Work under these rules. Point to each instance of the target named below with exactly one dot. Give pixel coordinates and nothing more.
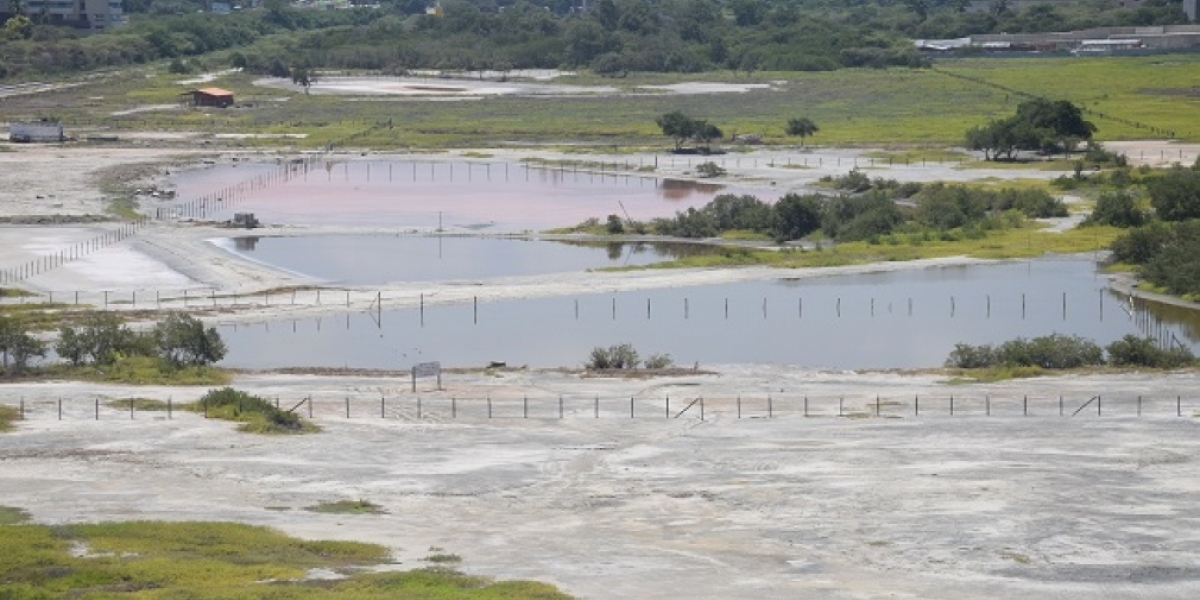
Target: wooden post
(560, 399)
(952, 405)
(382, 407)
(489, 404)
(596, 407)
(877, 405)
(917, 405)
(60, 408)
(453, 408)
(525, 406)
(770, 407)
(739, 406)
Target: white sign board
(427, 369)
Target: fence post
(806, 406)
(131, 409)
(701, 408)
(453, 407)
(489, 403)
(739, 405)
(841, 403)
(1179, 406)
(987, 403)
(1025, 406)
(631, 407)
(917, 405)
(596, 407)
(382, 407)
(668, 407)
(952, 405)
(877, 405)
(560, 406)
(22, 414)
(525, 406)
(1060, 405)
(418, 408)
(770, 407)
(60, 409)
(1139, 406)
(98, 409)
(1098, 401)
(310, 407)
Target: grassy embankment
(1012, 243)
(205, 560)
(852, 107)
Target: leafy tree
(796, 216)
(17, 346)
(802, 127)
(183, 340)
(1119, 209)
(18, 27)
(303, 76)
(1061, 118)
(1134, 351)
(705, 133)
(1175, 195)
(621, 356)
(101, 339)
(677, 126)
(615, 226)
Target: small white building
(35, 131)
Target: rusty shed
(209, 97)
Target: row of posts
(692, 407)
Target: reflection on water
(503, 196)
(1181, 321)
(380, 259)
(679, 189)
(899, 319)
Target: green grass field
(928, 107)
(199, 560)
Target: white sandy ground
(898, 506)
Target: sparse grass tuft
(442, 558)
(8, 416)
(139, 404)
(348, 507)
(10, 515)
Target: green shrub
(1054, 351)
(255, 414)
(658, 361)
(966, 356)
(1134, 351)
(1118, 209)
(621, 356)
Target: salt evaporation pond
(380, 259)
(453, 195)
(844, 322)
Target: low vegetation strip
(205, 560)
(255, 414)
(8, 415)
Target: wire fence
(446, 406)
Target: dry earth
(897, 506)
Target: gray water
(380, 259)
(885, 320)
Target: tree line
(1058, 351)
(102, 340)
(868, 210)
(612, 37)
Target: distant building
(1189, 7)
(36, 131)
(84, 14)
(209, 97)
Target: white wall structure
(36, 131)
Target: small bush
(255, 413)
(966, 356)
(622, 356)
(1134, 351)
(1055, 351)
(8, 416)
(659, 361)
(710, 169)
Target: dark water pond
(503, 196)
(380, 259)
(900, 319)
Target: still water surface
(858, 321)
(381, 259)
(477, 196)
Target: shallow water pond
(380, 259)
(445, 194)
(898, 319)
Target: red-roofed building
(210, 97)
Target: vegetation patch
(443, 558)
(255, 414)
(348, 507)
(211, 560)
(8, 416)
(10, 515)
(138, 404)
